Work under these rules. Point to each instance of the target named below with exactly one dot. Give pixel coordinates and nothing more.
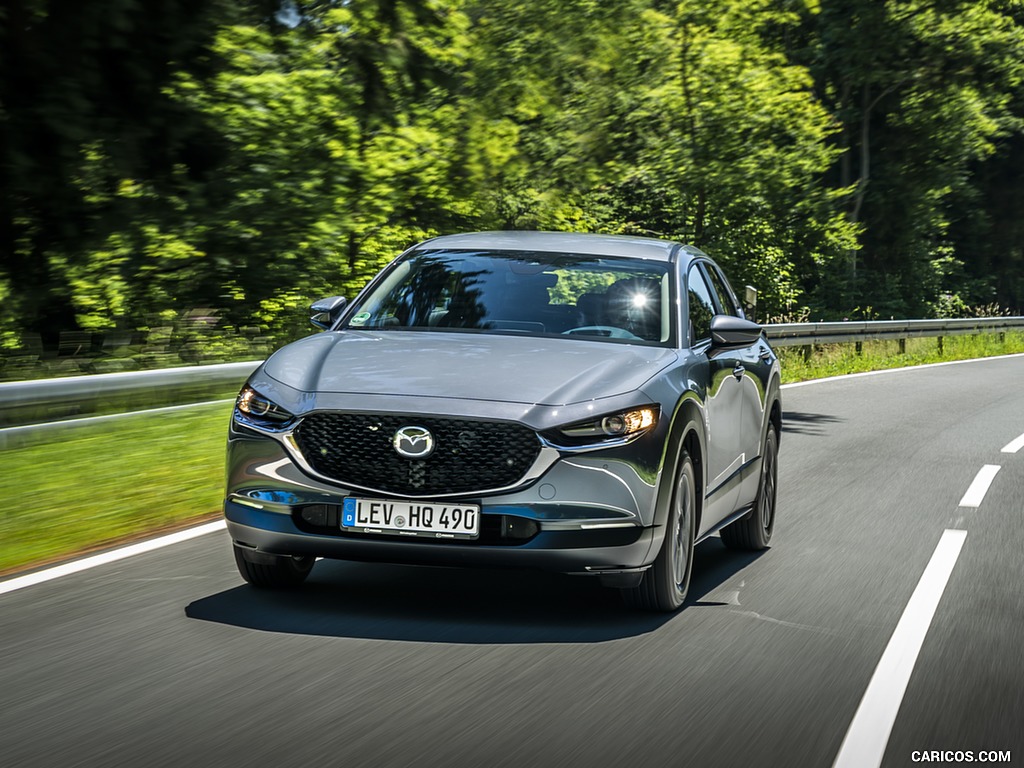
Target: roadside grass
(87, 487)
(68, 491)
(839, 359)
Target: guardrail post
(860, 347)
(807, 353)
(1002, 338)
(903, 346)
(940, 346)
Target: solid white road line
(865, 742)
(976, 493)
(20, 582)
(1014, 446)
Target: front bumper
(600, 551)
(588, 513)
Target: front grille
(357, 449)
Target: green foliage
(926, 93)
(83, 106)
(681, 124)
(253, 157)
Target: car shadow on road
(448, 605)
(807, 423)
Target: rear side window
(702, 308)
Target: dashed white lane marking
(1014, 446)
(976, 493)
(30, 579)
(865, 742)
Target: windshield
(542, 294)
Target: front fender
(688, 428)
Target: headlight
(622, 424)
(260, 411)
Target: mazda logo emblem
(413, 442)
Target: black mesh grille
(357, 449)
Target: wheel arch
(687, 431)
(773, 412)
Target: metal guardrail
(86, 391)
(802, 334)
(22, 394)
(26, 406)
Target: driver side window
(702, 308)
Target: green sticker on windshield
(361, 318)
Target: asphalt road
(166, 659)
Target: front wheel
(665, 584)
(754, 532)
(273, 571)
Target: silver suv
(579, 403)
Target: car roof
(562, 242)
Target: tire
(754, 532)
(666, 582)
(273, 571)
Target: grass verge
(88, 487)
(68, 491)
(839, 359)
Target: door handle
(738, 372)
(765, 354)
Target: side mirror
(750, 302)
(729, 331)
(324, 313)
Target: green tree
(79, 81)
(923, 91)
(249, 157)
(679, 122)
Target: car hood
(513, 369)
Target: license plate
(411, 518)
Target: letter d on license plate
(411, 518)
